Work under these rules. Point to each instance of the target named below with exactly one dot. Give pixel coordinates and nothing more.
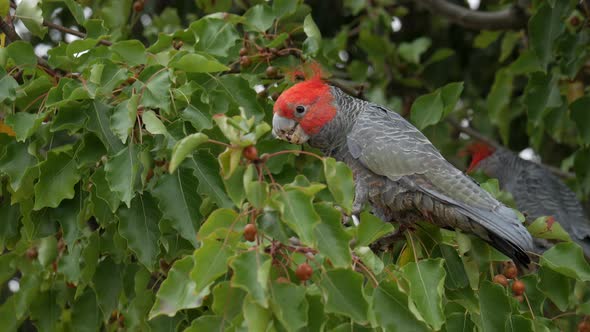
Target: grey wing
(390, 146)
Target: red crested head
(479, 151)
(309, 103)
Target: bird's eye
(300, 109)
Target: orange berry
(304, 272)
(138, 6)
(500, 279)
(250, 232)
(250, 153)
(518, 287)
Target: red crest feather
(479, 151)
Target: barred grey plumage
(404, 177)
(538, 192)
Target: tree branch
(512, 18)
(479, 136)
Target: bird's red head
(479, 151)
(309, 103)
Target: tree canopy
(141, 189)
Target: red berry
(243, 51)
(250, 232)
(575, 21)
(510, 271)
(271, 72)
(500, 279)
(32, 253)
(304, 272)
(138, 6)
(584, 326)
(518, 287)
(250, 153)
(245, 61)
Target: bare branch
(72, 32)
(479, 136)
(512, 18)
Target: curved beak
(288, 130)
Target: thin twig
(512, 18)
(72, 32)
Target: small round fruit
(250, 232)
(271, 72)
(584, 326)
(32, 253)
(510, 271)
(245, 61)
(275, 96)
(243, 51)
(500, 279)
(518, 287)
(304, 272)
(575, 21)
(250, 153)
(138, 6)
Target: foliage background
(124, 198)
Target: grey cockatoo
(395, 167)
(536, 191)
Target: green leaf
(259, 17)
(227, 301)
(545, 26)
(427, 110)
(138, 224)
(240, 92)
(343, 294)
(508, 43)
(131, 52)
(214, 36)
(8, 86)
(256, 317)
(251, 271)
(30, 13)
(122, 173)
(556, 287)
(580, 113)
(283, 8)
(518, 323)
(314, 37)
(24, 124)
(47, 250)
(220, 219)
(526, 62)
(123, 118)
(58, 176)
(152, 124)
(391, 309)
(98, 123)
(179, 202)
(455, 270)
(542, 92)
(212, 6)
(4, 7)
(14, 163)
(184, 148)
(178, 291)
(412, 51)
(108, 285)
(486, 38)
(196, 63)
(372, 261)
(459, 322)
(340, 182)
(568, 259)
(494, 306)
(450, 94)
(332, 239)
(85, 317)
(206, 169)
(205, 322)
(498, 100)
(297, 211)
(542, 228)
(426, 279)
(371, 229)
(76, 10)
(199, 119)
(210, 263)
(256, 191)
(289, 305)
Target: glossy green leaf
(259, 17)
(122, 172)
(568, 259)
(30, 13)
(123, 118)
(545, 26)
(340, 182)
(184, 148)
(58, 176)
(179, 202)
(412, 51)
(108, 285)
(494, 306)
(251, 272)
(196, 63)
(581, 116)
(391, 309)
(343, 294)
(24, 124)
(256, 317)
(15, 160)
(543, 228)
(289, 304)
(298, 213)
(131, 52)
(314, 36)
(152, 124)
(427, 110)
(138, 224)
(333, 241)
(371, 229)
(459, 322)
(214, 36)
(450, 94)
(210, 263)
(227, 301)
(456, 276)
(556, 286)
(426, 279)
(178, 291)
